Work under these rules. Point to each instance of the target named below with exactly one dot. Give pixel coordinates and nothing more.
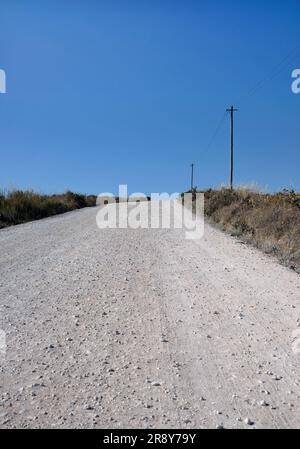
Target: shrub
(20, 206)
(269, 221)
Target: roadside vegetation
(269, 221)
(18, 206)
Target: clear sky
(107, 92)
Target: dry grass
(19, 206)
(270, 221)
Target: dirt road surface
(142, 328)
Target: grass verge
(18, 206)
(269, 221)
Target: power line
(214, 135)
(276, 71)
(216, 131)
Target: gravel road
(123, 328)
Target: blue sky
(107, 92)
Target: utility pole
(232, 110)
(192, 177)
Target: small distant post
(232, 110)
(192, 177)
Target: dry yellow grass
(19, 206)
(270, 221)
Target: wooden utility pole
(231, 110)
(192, 177)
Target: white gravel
(143, 328)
